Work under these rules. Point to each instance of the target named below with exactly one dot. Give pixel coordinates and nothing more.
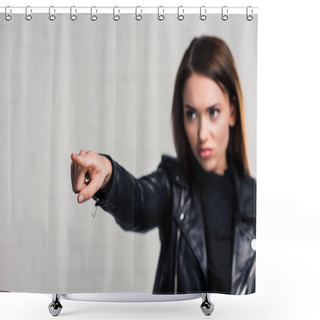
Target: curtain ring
(116, 17)
(28, 16)
(249, 17)
(203, 15)
(52, 17)
(73, 16)
(224, 13)
(160, 16)
(7, 16)
(93, 16)
(180, 15)
(138, 16)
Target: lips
(205, 153)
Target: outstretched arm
(136, 204)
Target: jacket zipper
(177, 249)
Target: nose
(203, 130)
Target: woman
(203, 202)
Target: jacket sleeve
(137, 204)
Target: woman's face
(207, 117)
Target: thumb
(87, 192)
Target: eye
(191, 114)
(213, 113)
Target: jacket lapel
(190, 221)
(244, 232)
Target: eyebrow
(194, 109)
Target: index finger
(80, 160)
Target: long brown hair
(211, 57)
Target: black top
(218, 215)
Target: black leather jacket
(165, 200)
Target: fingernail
(81, 198)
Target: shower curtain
(102, 85)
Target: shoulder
(240, 175)
(246, 193)
(246, 184)
(173, 169)
(168, 162)
(246, 181)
